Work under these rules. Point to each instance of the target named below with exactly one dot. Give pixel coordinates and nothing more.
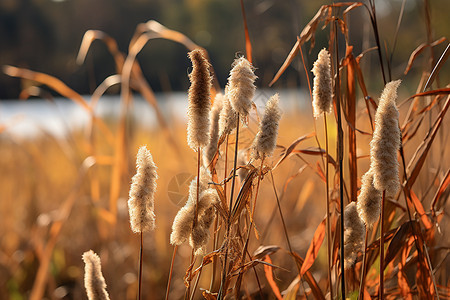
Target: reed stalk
(340, 152)
(169, 281)
(222, 293)
(328, 208)
(382, 247)
(140, 266)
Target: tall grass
(65, 196)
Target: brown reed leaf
(291, 292)
(419, 50)
(208, 295)
(248, 44)
(442, 187)
(262, 251)
(421, 153)
(269, 277)
(442, 91)
(320, 172)
(438, 66)
(61, 88)
(420, 210)
(322, 15)
(314, 247)
(309, 279)
(291, 147)
(89, 37)
(316, 151)
(399, 240)
(350, 117)
(157, 30)
(245, 194)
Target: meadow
(270, 236)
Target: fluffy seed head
(183, 222)
(199, 103)
(227, 118)
(353, 235)
(214, 115)
(93, 278)
(142, 192)
(182, 225)
(323, 87)
(386, 142)
(200, 233)
(369, 200)
(266, 138)
(241, 87)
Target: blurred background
(45, 35)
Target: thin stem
(328, 207)
(170, 272)
(373, 17)
(363, 268)
(282, 219)
(140, 266)
(285, 232)
(257, 187)
(340, 152)
(382, 247)
(196, 283)
(251, 223)
(215, 237)
(224, 271)
(188, 286)
(226, 169)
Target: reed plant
(258, 237)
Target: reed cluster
(251, 195)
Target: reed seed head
(142, 192)
(386, 142)
(323, 86)
(241, 87)
(266, 138)
(214, 115)
(200, 233)
(353, 235)
(183, 223)
(369, 200)
(93, 278)
(199, 103)
(227, 118)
